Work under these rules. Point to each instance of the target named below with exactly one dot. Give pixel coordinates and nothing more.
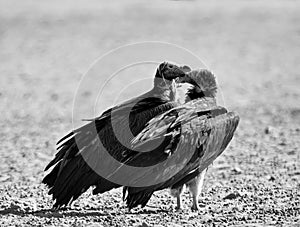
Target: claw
(195, 207)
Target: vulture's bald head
(169, 71)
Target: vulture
(80, 153)
(198, 132)
(205, 85)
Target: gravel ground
(253, 48)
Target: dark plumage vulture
(204, 86)
(199, 130)
(79, 152)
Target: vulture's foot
(195, 206)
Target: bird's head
(203, 81)
(168, 71)
(166, 76)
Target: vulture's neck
(163, 89)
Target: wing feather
(202, 141)
(159, 124)
(71, 175)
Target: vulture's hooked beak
(179, 77)
(184, 78)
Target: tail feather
(65, 188)
(104, 185)
(77, 186)
(70, 145)
(68, 182)
(65, 144)
(50, 179)
(136, 199)
(65, 137)
(63, 179)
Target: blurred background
(46, 46)
(251, 46)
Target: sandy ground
(253, 48)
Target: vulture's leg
(195, 186)
(178, 198)
(176, 192)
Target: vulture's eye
(170, 66)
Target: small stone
(233, 195)
(292, 152)
(267, 130)
(144, 224)
(282, 143)
(271, 178)
(236, 170)
(4, 178)
(54, 97)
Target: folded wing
(199, 136)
